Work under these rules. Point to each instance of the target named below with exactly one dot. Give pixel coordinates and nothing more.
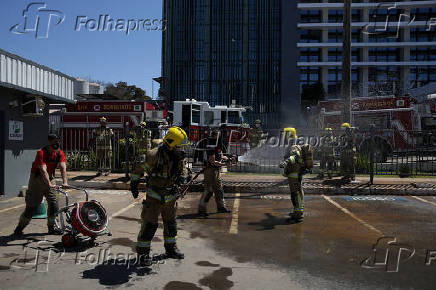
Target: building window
(384, 54)
(335, 35)
(422, 75)
(310, 16)
(420, 34)
(310, 36)
(335, 16)
(309, 54)
(335, 54)
(383, 80)
(423, 54)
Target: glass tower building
(224, 50)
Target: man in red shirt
(41, 183)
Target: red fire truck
(396, 121)
(197, 117)
(80, 118)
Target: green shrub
(362, 163)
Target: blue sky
(109, 56)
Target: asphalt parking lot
(345, 242)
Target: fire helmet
(346, 125)
(175, 137)
(290, 132)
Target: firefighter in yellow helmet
(166, 170)
(297, 161)
(327, 154)
(348, 153)
(103, 142)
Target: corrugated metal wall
(22, 73)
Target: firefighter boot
(297, 217)
(173, 252)
(53, 230)
(18, 230)
(144, 259)
(223, 210)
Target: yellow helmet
(291, 132)
(103, 120)
(328, 130)
(143, 124)
(176, 137)
(346, 125)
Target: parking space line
(11, 208)
(9, 199)
(123, 210)
(346, 211)
(235, 215)
(424, 200)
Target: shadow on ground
(117, 272)
(270, 222)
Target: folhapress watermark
(106, 23)
(42, 256)
(38, 20)
(389, 254)
(395, 18)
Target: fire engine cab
(78, 120)
(395, 118)
(196, 117)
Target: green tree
(312, 94)
(125, 92)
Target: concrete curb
(280, 189)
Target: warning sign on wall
(16, 130)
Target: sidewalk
(265, 183)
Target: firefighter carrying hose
(166, 170)
(298, 160)
(103, 136)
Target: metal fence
(393, 152)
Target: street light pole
(346, 61)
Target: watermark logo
(388, 254)
(38, 257)
(390, 26)
(37, 20)
(106, 23)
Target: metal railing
(393, 152)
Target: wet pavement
(345, 242)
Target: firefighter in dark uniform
(165, 169)
(327, 160)
(142, 141)
(348, 153)
(257, 136)
(41, 184)
(212, 176)
(103, 136)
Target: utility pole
(346, 62)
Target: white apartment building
(393, 45)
